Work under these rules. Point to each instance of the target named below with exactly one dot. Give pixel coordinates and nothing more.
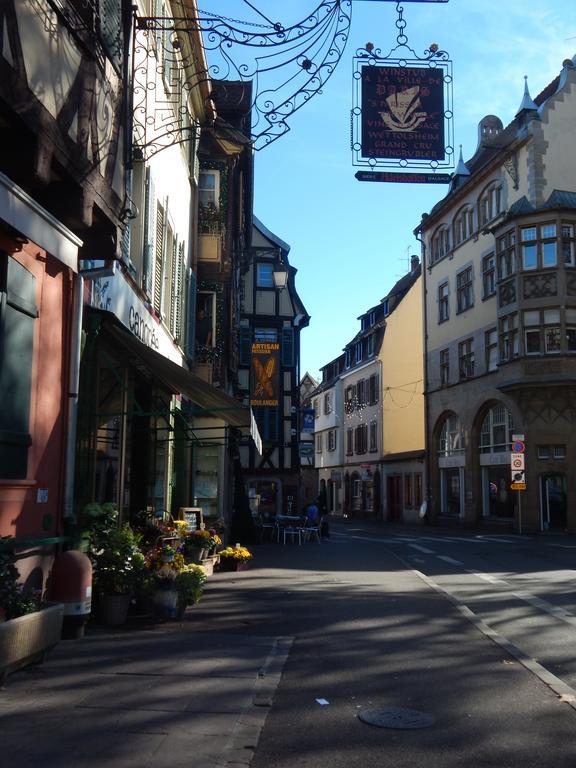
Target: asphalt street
(277, 665)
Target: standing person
(324, 524)
(312, 514)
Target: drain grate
(398, 718)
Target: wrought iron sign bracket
(286, 67)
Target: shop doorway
(394, 489)
(553, 502)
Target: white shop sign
(116, 296)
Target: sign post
(518, 472)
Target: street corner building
(499, 269)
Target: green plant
(237, 553)
(14, 601)
(118, 562)
(190, 584)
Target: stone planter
(27, 639)
(209, 563)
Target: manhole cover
(397, 717)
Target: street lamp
(280, 275)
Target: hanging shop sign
(307, 421)
(265, 375)
(403, 178)
(402, 111)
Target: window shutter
(244, 343)
(158, 258)
(111, 30)
(287, 347)
(178, 273)
(17, 314)
(149, 233)
(191, 314)
(125, 244)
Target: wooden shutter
(178, 291)
(111, 30)
(287, 347)
(149, 234)
(17, 314)
(191, 314)
(159, 258)
(245, 344)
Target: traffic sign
(518, 476)
(517, 461)
(518, 486)
(518, 446)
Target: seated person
(312, 514)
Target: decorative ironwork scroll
(285, 68)
(402, 113)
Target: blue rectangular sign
(307, 420)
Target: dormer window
(386, 305)
(372, 319)
(370, 345)
(348, 359)
(358, 352)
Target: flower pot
(27, 639)
(114, 609)
(196, 554)
(165, 602)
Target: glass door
(553, 502)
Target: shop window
(571, 339)
(17, 314)
(451, 492)
(497, 499)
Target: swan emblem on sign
(403, 113)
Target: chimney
(414, 262)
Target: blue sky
(350, 241)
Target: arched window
(440, 243)
(451, 441)
(496, 431)
(463, 225)
(490, 203)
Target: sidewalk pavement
(167, 695)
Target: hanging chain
(401, 39)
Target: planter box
(27, 639)
(229, 564)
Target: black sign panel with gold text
(265, 374)
(403, 113)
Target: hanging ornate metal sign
(402, 114)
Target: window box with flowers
(235, 558)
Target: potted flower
(118, 568)
(197, 544)
(190, 584)
(28, 627)
(164, 573)
(235, 558)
